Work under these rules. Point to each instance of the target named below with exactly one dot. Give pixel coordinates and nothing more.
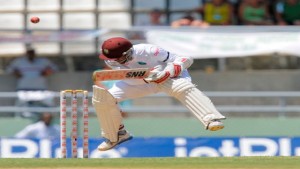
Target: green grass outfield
(158, 163)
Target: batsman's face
(126, 57)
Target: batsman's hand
(174, 69)
(157, 75)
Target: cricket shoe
(107, 144)
(215, 125)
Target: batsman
(168, 75)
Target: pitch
(158, 163)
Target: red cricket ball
(35, 19)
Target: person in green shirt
(254, 12)
(288, 12)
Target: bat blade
(104, 75)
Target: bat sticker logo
(135, 74)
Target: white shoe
(215, 125)
(107, 145)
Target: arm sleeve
(51, 65)
(165, 56)
(159, 54)
(25, 133)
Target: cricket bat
(120, 74)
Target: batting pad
(191, 97)
(108, 113)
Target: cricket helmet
(114, 48)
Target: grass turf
(157, 163)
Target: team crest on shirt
(142, 63)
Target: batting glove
(157, 75)
(174, 69)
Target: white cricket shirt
(145, 56)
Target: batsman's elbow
(185, 61)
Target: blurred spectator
(217, 12)
(31, 73)
(288, 12)
(155, 17)
(188, 20)
(254, 12)
(43, 129)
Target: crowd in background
(243, 12)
